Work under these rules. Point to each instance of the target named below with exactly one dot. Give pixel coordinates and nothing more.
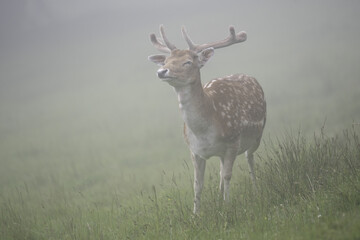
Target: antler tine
(191, 44)
(231, 39)
(166, 41)
(158, 45)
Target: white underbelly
(209, 145)
(205, 146)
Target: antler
(231, 39)
(167, 47)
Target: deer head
(182, 67)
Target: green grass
(308, 189)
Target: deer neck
(194, 107)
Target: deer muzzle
(163, 73)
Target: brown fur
(239, 104)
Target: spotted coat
(239, 104)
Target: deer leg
(226, 171)
(221, 187)
(199, 172)
(250, 158)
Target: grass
(308, 189)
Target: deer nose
(162, 72)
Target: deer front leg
(226, 172)
(199, 172)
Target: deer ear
(158, 59)
(205, 55)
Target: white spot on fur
(208, 85)
(214, 106)
(244, 123)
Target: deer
(223, 118)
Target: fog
(91, 141)
(74, 75)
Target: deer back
(239, 105)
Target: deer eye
(187, 63)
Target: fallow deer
(223, 118)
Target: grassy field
(91, 141)
(308, 189)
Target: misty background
(76, 85)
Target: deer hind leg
(221, 187)
(250, 158)
(226, 166)
(199, 172)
